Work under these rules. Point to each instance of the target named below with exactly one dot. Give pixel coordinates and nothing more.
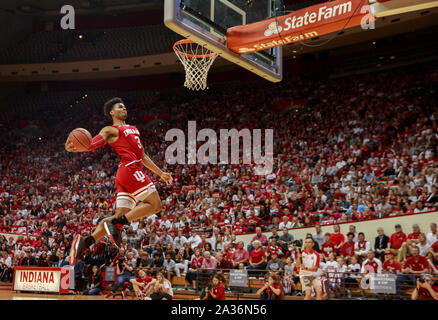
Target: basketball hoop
(197, 60)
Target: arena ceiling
(52, 7)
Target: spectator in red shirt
(396, 240)
(272, 289)
(257, 257)
(337, 238)
(240, 255)
(327, 247)
(411, 241)
(413, 266)
(433, 253)
(347, 249)
(217, 290)
(426, 290)
(391, 265)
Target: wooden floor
(11, 295)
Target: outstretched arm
(107, 134)
(148, 163)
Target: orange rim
(188, 41)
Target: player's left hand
(167, 177)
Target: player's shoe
(77, 248)
(113, 232)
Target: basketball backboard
(206, 22)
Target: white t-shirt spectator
(178, 242)
(416, 210)
(318, 238)
(194, 241)
(282, 225)
(423, 249)
(431, 238)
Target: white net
(197, 61)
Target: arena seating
(351, 152)
(66, 45)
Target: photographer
(125, 272)
(427, 289)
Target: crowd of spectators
(353, 152)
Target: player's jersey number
(139, 175)
(138, 141)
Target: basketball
(80, 138)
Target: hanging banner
(307, 23)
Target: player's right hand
(70, 147)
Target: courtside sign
(303, 24)
(34, 279)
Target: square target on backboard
(206, 22)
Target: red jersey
(397, 239)
(391, 267)
(418, 265)
(372, 266)
(327, 248)
(128, 146)
(347, 249)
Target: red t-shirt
(270, 293)
(397, 239)
(414, 235)
(424, 294)
(434, 246)
(219, 292)
(337, 238)
(418, 265)
(327, 248)
(391, 267)
(257, 256)
(145, 280)
(347, 249)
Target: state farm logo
(273, 28)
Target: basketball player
(131, 180)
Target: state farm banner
(303, 24)
(39, 279)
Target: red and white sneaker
(78, 246)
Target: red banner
(307, 23)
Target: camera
(122, 259)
